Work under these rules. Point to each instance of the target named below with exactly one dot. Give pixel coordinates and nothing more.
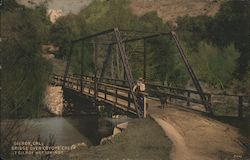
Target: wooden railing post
(240, 107)
(129, 99)
(56, 81)
(145, 107)
(95, 88)
(89, 87)
(188, 98)
(71, 82)
(105, 94)
(170, 98)
(77, 84)
(209, 100)
(116, 96)
(81, 84)
(66, 82)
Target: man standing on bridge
(141, 99)
(140, 86)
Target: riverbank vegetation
(221, 43)
(24, 72)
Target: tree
(229, 25)
(24, 71)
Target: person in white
(140, 86)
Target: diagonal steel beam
(93, 35)
(124, 59)
(192, 74)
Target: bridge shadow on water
(87, 119)
(92, 127)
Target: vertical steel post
(144, 60)
(82, 52)
(95, 66)
(94, 57)
(1, 96)
(105, 62)
(124, 73)
(68, 63)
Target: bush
(24, 72)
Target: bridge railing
(122, 96)
(164, 93)
(233, 105)
(56, 80)
(222, 104)
(177, 95)
(230, 105)
(119, 96)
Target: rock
(54, 99)
(78, 145)
(106, 140)
(120, 128)
(54, 14)
(117, 130)
(122, 125)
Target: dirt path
(197, 137)
(180, 151)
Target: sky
(66, 6)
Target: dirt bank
(197, 137)
(142, 140)
(171, 9)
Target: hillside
(168, 10)
(171, 9)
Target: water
(67, 130)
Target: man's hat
(141, 79)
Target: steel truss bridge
(119, 93)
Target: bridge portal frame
(120, 37)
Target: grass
(142, 140)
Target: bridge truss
(120, 38)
